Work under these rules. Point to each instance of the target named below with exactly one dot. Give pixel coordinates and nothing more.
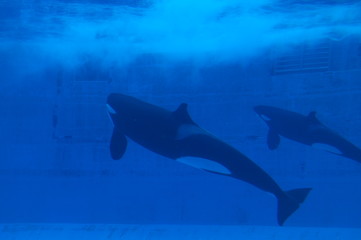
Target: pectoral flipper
(118, 144)
(273, 139)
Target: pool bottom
(148, 232)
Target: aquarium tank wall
(60, 59)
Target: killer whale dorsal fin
(312, 116)
(118, 144)
(181, 114)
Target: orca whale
(176, 136)
(304, 129)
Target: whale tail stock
(289, 202)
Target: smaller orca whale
(176, 136)
(304, 129)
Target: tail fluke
(290, 202)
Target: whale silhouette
(304, 129)
(175, 135)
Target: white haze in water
(204, 31)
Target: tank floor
(174, 232)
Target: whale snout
(263, 112)
(112, 98)
(114, 102)
(111, 110)
(260, 109)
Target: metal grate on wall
(80, 114)
(307, 58)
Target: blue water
(60, 59)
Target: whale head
(265, 112)
(117, 106)
(114, 102)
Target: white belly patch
(204, 164)
(327, 148)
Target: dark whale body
(175, 135)
(304, 129)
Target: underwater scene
(180, 113)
